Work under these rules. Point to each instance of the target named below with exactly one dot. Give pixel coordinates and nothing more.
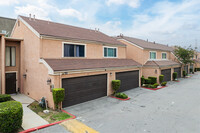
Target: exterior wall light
(24, 75)
(111, 74)
(155, 71)
(48, 81)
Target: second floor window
(73, 50)
(10, 56)
(152, 55)
(110, 52)
(164, 55)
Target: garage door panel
(129, 80)
(167, 74)
(82, 89)
(178, 70)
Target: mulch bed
(154, 88)
(121, 98)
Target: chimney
(29, 16)
(34, 17)
(154, 42)
(147, 40)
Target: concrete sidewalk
(30, 118)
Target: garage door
(82, 89)
(192, 67)
(167, 74)
(186, 68)
(129, 80)
(178, 70)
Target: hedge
(175, 75)
(191, 70)
(142, 80)
(11, 113)
(121, 95)
(58, 95)
(197, 69)
(161, 78)
(147, 81)
(163, 83)
(5, 97)
(153, 80)
(115, 85)
(184, 73)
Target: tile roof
(7, 24)
(145, 44)
(49, 28)
(78, 64)
(161, 63)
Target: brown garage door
(129, 80)
(82, 89)
(178, 70)
(167, 74)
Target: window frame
(150, 55)
(72, 43)
(11, 56)
(162, 55)
(107, 53)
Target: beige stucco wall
(54, 49)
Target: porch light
(110, 74)
(48, 81)
(155, 71)
(24, 75)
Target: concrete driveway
(174, 109)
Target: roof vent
(34, 17)
(121, 35)
(29, 16)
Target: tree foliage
(185, 55)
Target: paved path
(30, 118)
(174, 109)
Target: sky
(170, 22)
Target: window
(73, 50)
(152, 55)
(164, 55)
(10, 56)
(110, 52)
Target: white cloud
(8, 2)
(131, 3)
(71, 13)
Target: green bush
(184, 73)
(163, 83)
(58, 95)
(147, 81)
(153, 80)
(121, 95)
(156, 85)
(151, 86)
(115, 85)
(191, 70)
(197, 69)
(142, 80)
(161, 78)
(146, 85)
(11, 113)
(175, 75)
(5, 97)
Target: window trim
(150, 55)
(162, 55)
(11, 56)
(72, 43)
(110, 47)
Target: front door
(10, 83)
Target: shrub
(147, 81)
(5, 97)
(156, 85)
(184, 73)
(115, 85)
(11, 113)
(121, 95)
(146, 85)
(163, 83)
(161, 78)
(142, 80)
(191, 70)
(151, 86)
(197, 69)
(153, 80)
(175, 75)
(58, 95)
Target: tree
(185, 55)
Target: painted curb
(47, 125)
(154, 88)
(121, 98)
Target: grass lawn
(52, 116)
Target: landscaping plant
(163, 83)
(121, 95)
(142, 80)
(115, 85)
(161, 78)
(184, 73)
(156, 85)
(175, 75)
(153, 80)
(11, 113)
(147, 81)
(5, 97)
(58, 96)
